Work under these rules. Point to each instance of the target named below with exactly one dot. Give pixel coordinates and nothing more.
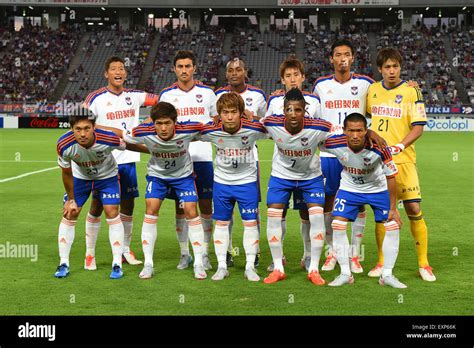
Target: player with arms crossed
(194, 102)
(255, 108)
(398, 115)
(368, 177)
(292, 76)
(118, 107)
(96, 169)
(170, 166)
(341, 94)
(235, 179)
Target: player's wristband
(396, 149)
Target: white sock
(231, 226)
(357, 233)
(196, 237)
(67, 229)
(390, 246)
(182, 234)
(149, 234)
(316, 233)
(92, 231)
(341, 245)
(274, 236)
(251, 241)
(283, 228)
(304, 230)
(207, 227)
(127, 222)
(116, 239)
(327, 225)
(221, 241)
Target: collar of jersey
(116, 94)
(388, 89)
(186, 90)
(334, 78)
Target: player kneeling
(363, 182)
(169, 167)
(96, 168)
(235, 179)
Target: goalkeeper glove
(396, 149)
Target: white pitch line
(1, 161)
(27, 174)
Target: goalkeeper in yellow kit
(398, 115)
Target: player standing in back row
(398, 115)
(255, 107)
(194, 102)
(117, 107)
(341, 94)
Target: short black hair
(182, 54)
(111, 60)
(342, 42)
(355, 117)
(294, 94)
(74, 119)
(163, 110)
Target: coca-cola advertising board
(43, 122)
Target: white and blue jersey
(364, 178)
(235, 174)
(295, 163)
(95, 169)
(170, 165)
(337, 101)
(254, 98)
(197, 104)
(235, 163)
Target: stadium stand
(206, 44)
(425, 61)
(263, 53)
(34, 60)
(318, 48)
(133, 46)
(462, 43)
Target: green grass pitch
(30, 211)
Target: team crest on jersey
(354, 90)
(366, 161)
(245, 140)
(128, 100)
(199, 98)
(77, 156)
(100, 154)
(248, 101)
(398, 98)
(180, 144)
(304, 141)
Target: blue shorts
(128, 180)
(279, 190)
(184, 188)
(332, 169)
(347, 204)
(106, 190)
(204, 177)
(298, 201)
(225, 196)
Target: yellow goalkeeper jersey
(394, 112)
